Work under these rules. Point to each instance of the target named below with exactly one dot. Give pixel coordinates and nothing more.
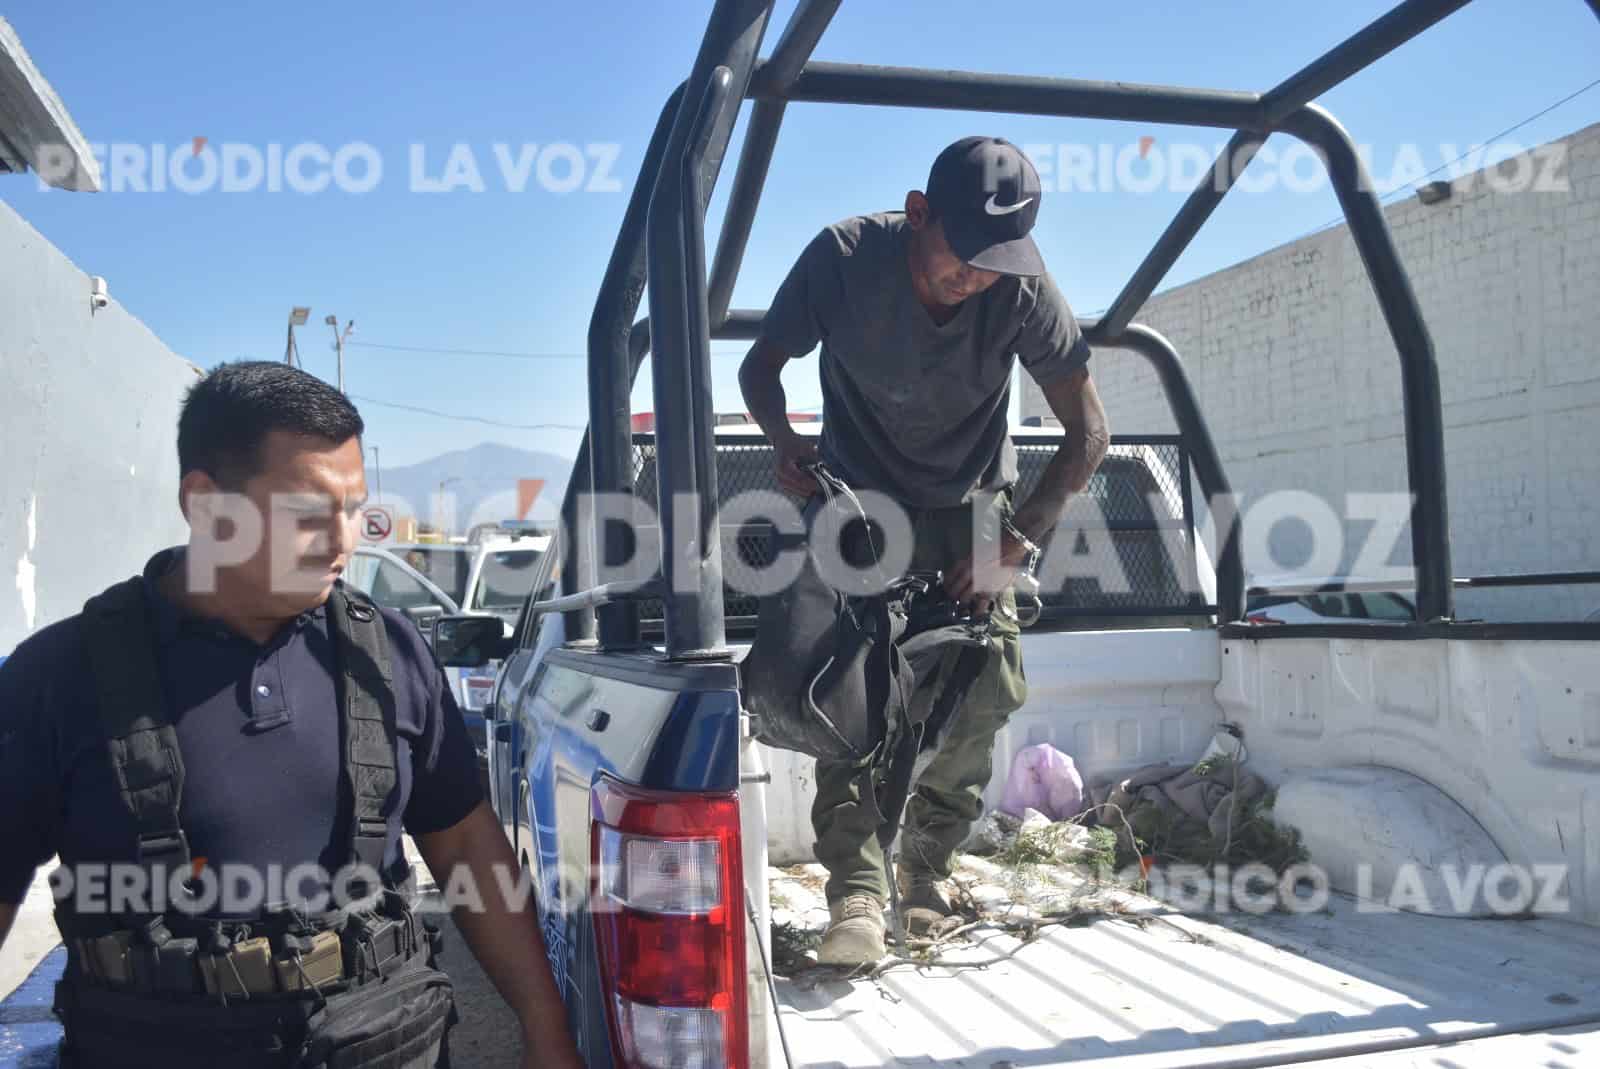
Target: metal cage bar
(676, 279)
(1203, 455)
(687, 312)
(799, 39)
(1357, 52)
(1227, 168)
(612, 367)
(1419, 372)
(755, 160)
(1160, 568)
(1423, 414)
(910, 87)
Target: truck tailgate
(1179, 990)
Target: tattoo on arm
(1075, 402)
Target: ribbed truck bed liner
(1349, 983)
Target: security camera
(97, 293)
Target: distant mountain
(480, 485)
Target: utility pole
(297, 318)
(338, 343)
(439, 512)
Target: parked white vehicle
(494, 575)
(391, 581)
(429, 580)
(1347, 599)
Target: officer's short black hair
(229, 413)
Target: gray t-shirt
(912, 408)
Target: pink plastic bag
(1043, 778)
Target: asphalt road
(488, 1036)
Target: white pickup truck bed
(1278, 989)
(1506, 730)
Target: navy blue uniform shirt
(259, 730)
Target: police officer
(236, 715)
(921, 315)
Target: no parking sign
(377, 524)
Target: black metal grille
(1137, 504)
(743, 464)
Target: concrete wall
(1300, 382)
(88, 439)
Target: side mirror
(424, 616)
(470, 641)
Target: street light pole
(377, 467)
(438, 503)
(338, 343)
(297, 318)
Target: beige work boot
(924, 910)
(855, 934)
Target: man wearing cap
(920, 315)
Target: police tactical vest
(354, 986)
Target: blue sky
(215, 274)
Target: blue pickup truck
(655, 826)
(622, 766)
(629, 786)
(607, 762)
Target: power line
(1509, 130)
(499, 423)
(494, 352)
(468, 352)
(1394, 194)
(464, 418)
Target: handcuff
(1025, 584)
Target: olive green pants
(948, 796)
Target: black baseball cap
(986, 193)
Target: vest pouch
(244, 970)
(426, 934)
(395, 1023)
(83, 952)
(108, 1029)
(374, 944)
(110, 956)
(320, 961)
(175, 967)
(163, 965)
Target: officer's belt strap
(366, 692)
(145, 760)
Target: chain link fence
(1125, 547)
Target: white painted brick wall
(1300, 382)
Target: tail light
(668, 907)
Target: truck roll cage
(661, 245)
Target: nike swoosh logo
(994, 209)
